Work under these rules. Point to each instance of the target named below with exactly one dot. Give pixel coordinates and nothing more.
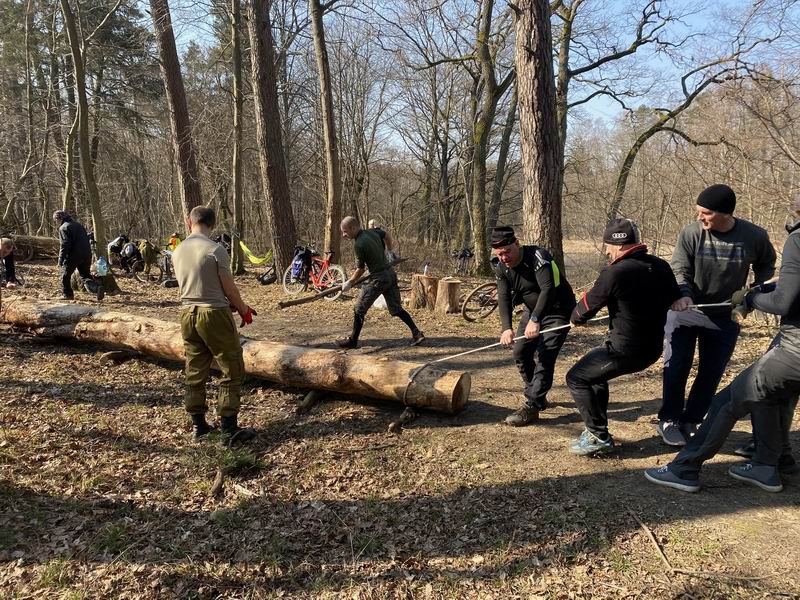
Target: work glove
(347, 286)
(247, 317)
(739, 297)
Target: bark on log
(447, 296)
(32, 246)
(433, 388)
(423, 291)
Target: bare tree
(270, 147)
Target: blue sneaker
(763, 476)
(589, 444)
(663, 476)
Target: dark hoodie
(75, 247)
(638, 289)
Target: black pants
(536, 358)
(69, 268)
(588, 382)
(715, 349)
(766, 388)
(383, 282)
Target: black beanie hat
(503, 236)
(620, 232)
(719, 198)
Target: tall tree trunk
(541, 201)
(96, 100)
(333, 203)
(502, 160)
(237, 258)
(76, 45)
(268, 133)
(188, 173)
(73, 185)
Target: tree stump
(447, 296)
(423, 291)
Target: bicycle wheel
(333, 277)
(154, 275)
(480, 303)
(25, 254)
(292, 285)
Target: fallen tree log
(432, 387)
(33, 246)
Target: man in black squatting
(638, 289)
(528, 275)
(768, 389)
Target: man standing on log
(75, 253)
(768, 390)
(7, 254)
(208, 292)
(528, 275)
(638, 289)
(711, 261)
(371, 246)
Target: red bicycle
(308, 269)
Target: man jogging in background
(769, 389)
(75, 254)
(371, 246)
(711, 261)
(638, 289)
(7, 255)
(208, 293)
(528, 275)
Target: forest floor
(104, 494)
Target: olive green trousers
(210, 335)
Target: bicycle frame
(319, 267)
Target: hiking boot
(417, 338)
(347, 343)
(65, 297)
(589, 444)
(688, 430)
(671, 433)
(200, 427)
(787, 465)
(232, 434)
(663, 476)
(746, 450)
(763, 476)
(523, 416)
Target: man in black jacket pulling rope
(528, 275)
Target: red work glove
(247, 317)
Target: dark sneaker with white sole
(523, 416)
(763, 476)
(746, 450)
(671, 433)
(688, 430)
(347, 343)
(589, 444)
(417, 338)
(663, 476)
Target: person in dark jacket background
(7, 254)
(768, 389)
(528, 275)
(638, 289)
(712, 259)
(75, 253)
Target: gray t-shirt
(198, 262)
(710, 265)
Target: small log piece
(423, 291)
(447, 296)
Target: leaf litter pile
(104, 494)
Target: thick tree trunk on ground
(268, 133)
(423, 291)
(541, 198)
(41, 246)
(432, 387)
(188, 173)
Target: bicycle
(463, 258)
(316, 272)
(480, 302)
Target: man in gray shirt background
(711, 261)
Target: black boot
(199, 426)
(233, 434)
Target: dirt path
(103, 493)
